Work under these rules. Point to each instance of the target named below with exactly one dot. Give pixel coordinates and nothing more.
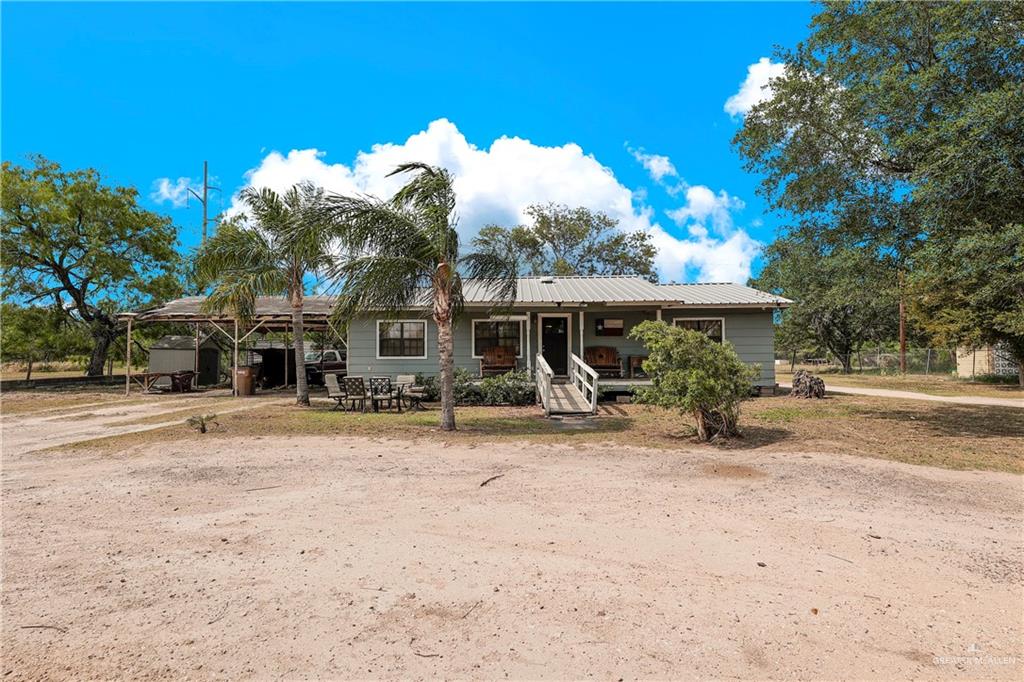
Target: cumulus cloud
(496, 184)
(703, 205)
(659, 167)
(173, 191)
(755, 88)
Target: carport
(271, 314)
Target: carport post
(286, 360)
(128, 361)
(234, 364)
(195, 377)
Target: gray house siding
(750, 331)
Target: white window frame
(516, 318)
(401, 357)
(676, 320)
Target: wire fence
(878, 360)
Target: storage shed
(178, 353)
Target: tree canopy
(574, 241)
(86, 246)
(32, 334)
(897, 128)
(844, 297)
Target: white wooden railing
(584, 378)
(544, 376)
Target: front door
(554, 343)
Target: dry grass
(37, 400)
(934, 384)
(934, 434)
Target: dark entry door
(554, 343)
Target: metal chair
(335, 391)
(411, 392)
(355, 392)
(381, 392)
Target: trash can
(245, 380)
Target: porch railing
(584, 378)
(544, 376)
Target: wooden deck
(567, 399)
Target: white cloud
(659, 167)
(496, 184)
(702, 205)
(755, 87)
(174, 191)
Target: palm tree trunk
(301, 387)
(446, 361)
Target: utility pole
(205, 197)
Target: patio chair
(497, 360)
(335, 391)
(355, 392)
(411, 393)
(382, 392)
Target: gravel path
(61, 426)
(912, 395)
(352, 558)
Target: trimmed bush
(512, 388)
(695, 375)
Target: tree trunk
(846, 360)
(903, 336)
(28, 373)
(102, 338)
(702, 427)
(301, 387)
(446, 362)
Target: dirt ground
(355, 557)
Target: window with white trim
(401, 339)
(714, 327)
(490, 333)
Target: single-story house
(556, 316)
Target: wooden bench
(604, 360)
(497, 360)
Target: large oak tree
(897, 128)
(87, 247)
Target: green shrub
(695, 375)
(513, 388)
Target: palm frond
(386, 284)
(497, 271)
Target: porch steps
(567, 399)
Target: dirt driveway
(355, 558)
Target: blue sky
(618, 107)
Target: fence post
(927, 362)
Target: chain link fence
(880, 360)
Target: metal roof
(721, 293)
(530, 291)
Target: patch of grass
(917, 432)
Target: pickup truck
(320, 362)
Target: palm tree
(269, 251)
(403, 253)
